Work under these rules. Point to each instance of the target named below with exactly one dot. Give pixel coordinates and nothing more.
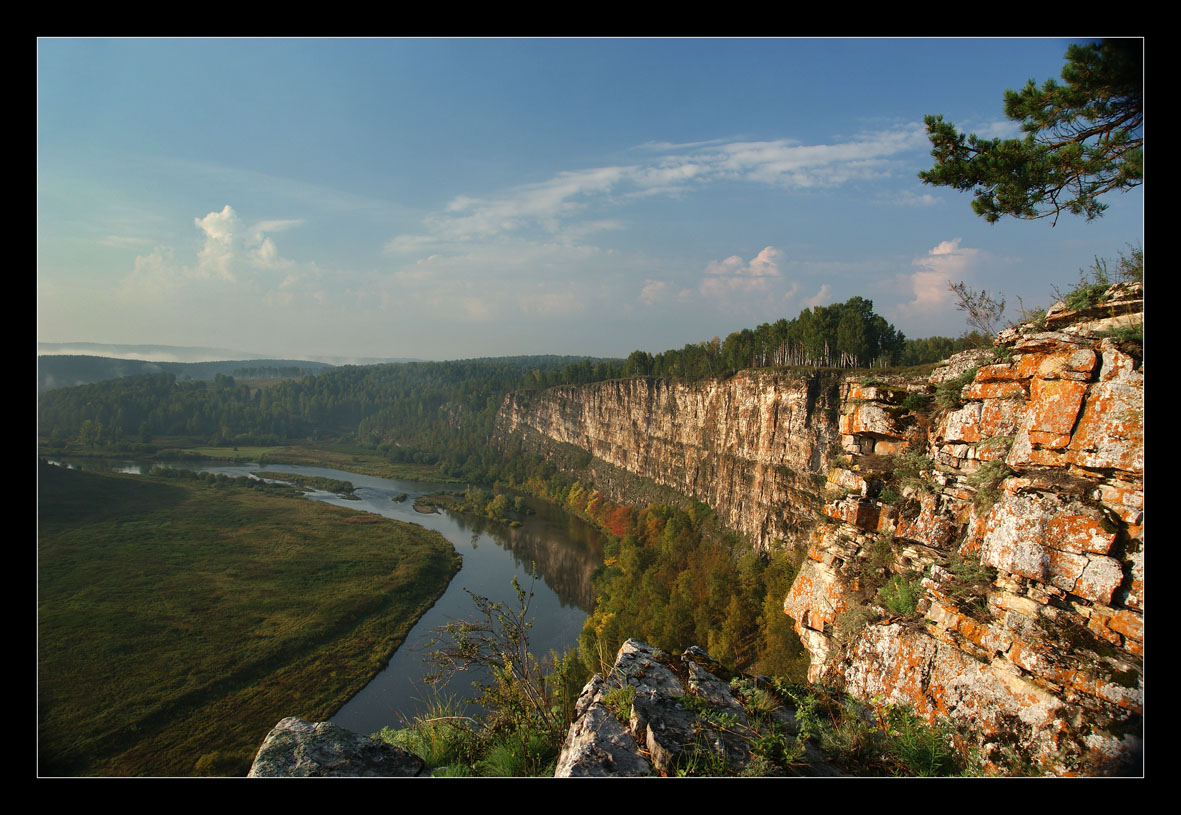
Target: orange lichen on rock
(1062, 527)
(1054, 407)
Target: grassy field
(179, 620)
(241, 454)
(336, 455)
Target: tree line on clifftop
(841, 335)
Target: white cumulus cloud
(226, 251)
(735, 273)
(944, 263)
(217, 255)
(729, 281)
(820, 298)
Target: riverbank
(179, 618)
(182, 452)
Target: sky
(459, 198)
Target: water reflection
(531, 545)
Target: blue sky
(453, 198)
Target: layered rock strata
(751, 447)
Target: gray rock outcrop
(680, 719)
(298, 749)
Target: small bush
(521, 754)
(1126, 333)
(879, 556)
(1002, 354)
(1084, 296)
(1035, 317)
(619, 701)
(442, 737)
(901, 595)
(702, 759)
(907, 470)
(852, 623)
(969, 587)
(987, 481)
(948, 394)
(1130, 267)
(983, 310)
(758, 701)
(917, 402)
(877, 740)
(1094, 282)
(996, 443)
(918, 748)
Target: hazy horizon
(464, 198)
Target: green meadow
(333, 454)
(179, 619)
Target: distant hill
(143, 353)
(66, 370)
(185, 353)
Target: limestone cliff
(753, 447)
(974, 540)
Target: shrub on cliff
(901, 595)
(987, 481)
(876, 739)
(949, 394)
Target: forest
(441, 412)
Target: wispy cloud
(124, 241)
(666, 146)
(909, 198)
(655, 291)
(544, 204)
(788, 163)
(675, 169)
(261, 248)
(237, 181)
(998, 129)
(154, 275)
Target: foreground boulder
(656, 715)
(298, 749)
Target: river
(564, 550)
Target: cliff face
(752, 447)
(980, 561)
